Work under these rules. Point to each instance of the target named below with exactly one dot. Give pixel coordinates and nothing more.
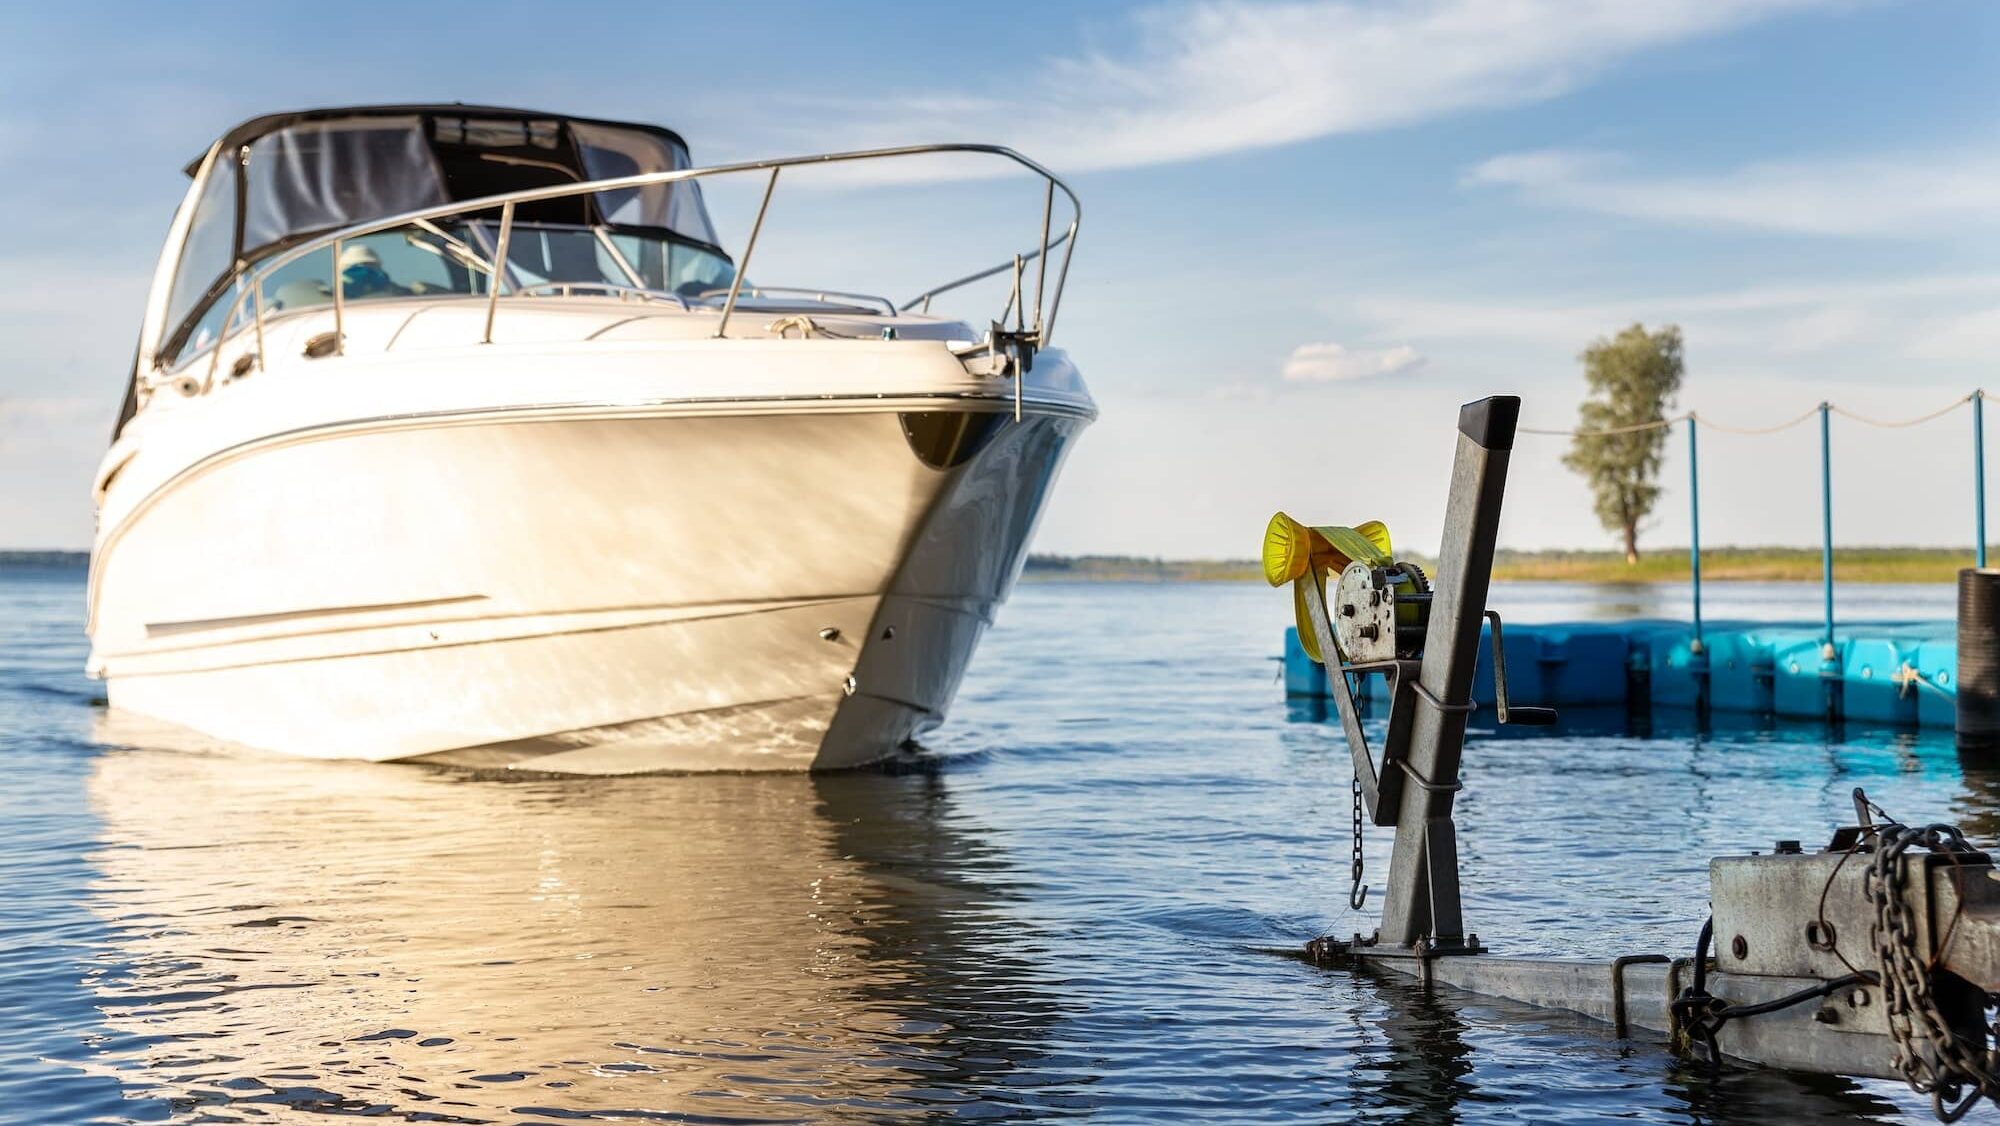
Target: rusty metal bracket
(1620, 1027)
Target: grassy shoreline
(1662, 565)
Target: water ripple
(1067, 907)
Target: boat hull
(599, 591)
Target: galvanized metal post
(1826, 522)
(1694, 526)
(1979, 477)
(1422, 898)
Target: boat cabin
(276, 181)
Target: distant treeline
(1756, 564)
(44, 558)
(1138, 569)
(1761, 564)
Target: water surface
(1065, 914)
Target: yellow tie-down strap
(1293, 550)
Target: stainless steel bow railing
(252, 284)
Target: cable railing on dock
(1824, 411)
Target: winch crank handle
(1524, 716)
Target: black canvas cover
(283, 178)
(320, 175)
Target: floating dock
(1882, 672)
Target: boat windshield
(276, 182)
(445, 259)
(543, 254)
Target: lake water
(1064, 915)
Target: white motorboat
(455, 434)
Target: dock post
(1977, 709)
(1827, 653)
(1694, 527)
(1422, 900)
(1979, 478)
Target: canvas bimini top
(279, 179)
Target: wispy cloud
(1922, 329)
(1201, 79)
(54, 423)
(49, 448)
(1329, 363)
(1925, 316)
(1890, 194)
(1966, 336)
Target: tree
(1633, 379)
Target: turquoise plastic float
(1886, 672)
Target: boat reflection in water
(362, 938)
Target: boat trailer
(1877, 955)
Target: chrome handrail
(823, 296)
(924, 298)
(749, 248)
(252, 285)
(1042, 267)
(609, 289)
(496, 278)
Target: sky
(1311, 229)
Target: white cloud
(1876, 195)
(1966, 336)
(1327, 363)
(1825, 326)
(49, 448)
(1240, 391)
(1928, 316)
(39, 411)
(55, 423)
(1224, 75)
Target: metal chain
(1929, 1053)
(1357, 893)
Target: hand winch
(1379, 605)
(1380, 613)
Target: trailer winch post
(1422, 899)
(1877, 955)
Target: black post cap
(1490, 421)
